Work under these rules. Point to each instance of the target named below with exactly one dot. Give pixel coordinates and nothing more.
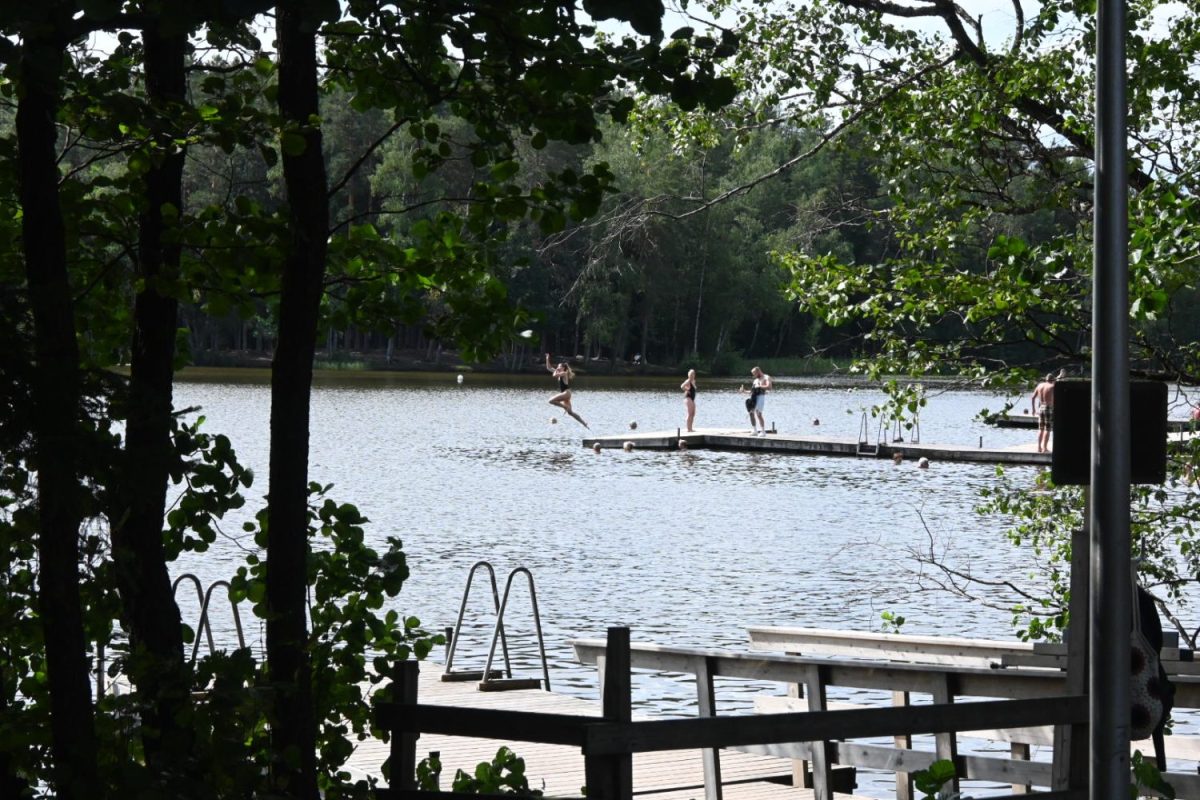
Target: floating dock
(743, 440)
(1030, 421)
(558, 769)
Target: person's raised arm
(548, 366)
(766, 382)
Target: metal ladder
(494, 679)
(205, 599)
(203, 626)
(865, 448)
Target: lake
(684, 547)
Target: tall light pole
(1110, 591)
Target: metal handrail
(864, 438)
(462, 610)
(204, 626)
(499, 630)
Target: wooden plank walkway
(1030, 421)
(558, 770)
(742, 440)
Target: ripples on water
(685, 548)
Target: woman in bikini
(689, 397)
(565, 375)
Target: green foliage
(932, 781)
(892, 622)
(354, 638)
(1147, 778)
(504, 774)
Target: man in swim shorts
(758, 393)
(1043, 393)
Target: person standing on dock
(565, 375)
(1043, 393)
(689, 397)
(758, 393)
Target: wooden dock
(1031, 421)
(558, 770)
(792, 444)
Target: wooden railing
(609, 742)
(960, 670)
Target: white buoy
(460, 378)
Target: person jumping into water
(565, 375)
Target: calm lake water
(685, 548)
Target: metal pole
(1109, 592)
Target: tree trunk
(293, 740)
(148, 605)
(56, 423)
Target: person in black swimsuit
(689, 397)
(565, 375)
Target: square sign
(1070, 463)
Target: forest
(905, 187)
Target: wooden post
(611, 777)
(706, 699)
(946, 744)
(403, 759)
(1020, 752)
(799, 765)
(814, 687)
(904, 784)
(1071, 742)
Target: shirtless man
(1044, 393)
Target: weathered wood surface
(792, 444)
(559, 769)
(895, 647)
(1031, 421)
(944, 682)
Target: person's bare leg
(761, 423)
(691, 414)
(566, 405)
